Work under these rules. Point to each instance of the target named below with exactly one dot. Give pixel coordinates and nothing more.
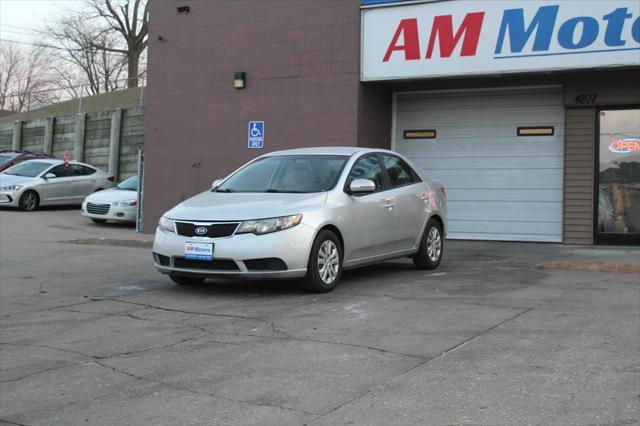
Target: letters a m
(442, 30)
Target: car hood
(7, 180)
(220, 206)
(111, 195)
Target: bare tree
(89, 48)
(24, 78)
(129, 19)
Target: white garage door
(500, 186)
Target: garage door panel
(536, 238)
(507, 195)
(470, 229)
(479, 147)
(428, 163)
(501, 211)
(448, 119)
(500, 186)
(497, 179)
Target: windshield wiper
(223, 190)
(277, 191)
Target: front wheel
(29, 201)
(431, 249)
(325, 264)
(180, 280)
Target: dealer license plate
(198, 251)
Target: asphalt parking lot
(92, 334)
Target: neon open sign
(624, 146)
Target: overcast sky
(19, 17)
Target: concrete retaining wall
(107, 140)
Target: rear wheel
(431, 248)
(99, 220)
(325, 264)
(181, 280)
(29, 201)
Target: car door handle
(388, 203)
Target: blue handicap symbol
(256, 134)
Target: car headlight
(165, 224)
(128, 203)
(265, 226)
(11, 188)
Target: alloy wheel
(30, 201)
(434, 244)
(328, 262)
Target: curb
(111, 242)
(631, 267)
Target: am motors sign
(461, 37)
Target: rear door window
(399, 172)
(80, 170)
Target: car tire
(431, 249)
(99, 220)
(325, 264)
(182, 280)
(29, 201)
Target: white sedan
(117, 204)
(34, 183)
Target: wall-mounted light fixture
(239, 79)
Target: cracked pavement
(92, 334)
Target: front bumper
(9, 198)
(291, 246)
(119, 214)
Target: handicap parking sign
(256, 134)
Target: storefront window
(619, 176)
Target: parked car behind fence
(9, 158)
(35, 183)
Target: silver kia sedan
(45, 182)
(305, 213)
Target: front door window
(618, 218)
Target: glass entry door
(618, 177)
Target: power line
(23, 28)
(32, 44)
(15, 32)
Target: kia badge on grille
(201, 230)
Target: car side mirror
(215, 183)
(49, 176)
(362, 186)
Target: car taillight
(134, 203)
(111, 178)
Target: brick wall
(302, 63)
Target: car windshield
(28, 168)
(4, 159)
(129, 184)
(287, 174)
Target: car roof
(328, 150)
(51, 161)
(55, 161)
